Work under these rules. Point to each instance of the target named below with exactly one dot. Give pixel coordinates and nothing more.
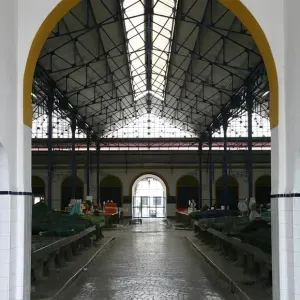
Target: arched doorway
(263, 189)
(111, 189)
(187, 189)
(66, 191)
(149, 194)
(38, 189)
(229, 191)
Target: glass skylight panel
(238, 127)
(149, 126)
(163, 30)
(163, 20)
(135, 30)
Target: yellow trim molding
(237, 8)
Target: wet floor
(148, 262)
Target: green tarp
(95, 219)
(48, 222)
(256, 232)
(261, 238)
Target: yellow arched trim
(62, 8)
(237, 8)
(245, 16)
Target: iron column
(50, 103)
(200, 174)
(224, 169)
(74, 167)
(210, 169)
(88, 165)
(98, 171)
(249, 101)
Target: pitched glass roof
(144, 38)
(134, 20)
(113, 63)
(163, 30)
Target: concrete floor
(148, 261)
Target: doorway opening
(149, 197)
(187, 189)
(263, 189)
(66, 191)
(38, 189)
(111, 189)
(229, 191)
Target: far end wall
(170, 175)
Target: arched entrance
(38, 188)
(111, 189)
(263, 189)
(149, 194)
(229, 191)
(235, 5)
(66, 191)
(187, 189)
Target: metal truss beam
(258, 79)
(61, 102)
(186, 102)
(233, 143)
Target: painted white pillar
(15, 168)
(286, 167)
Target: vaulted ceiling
(181, 60)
